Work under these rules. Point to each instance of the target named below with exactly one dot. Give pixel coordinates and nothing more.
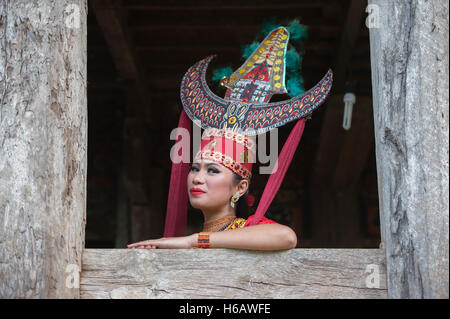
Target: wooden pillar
(43, 140)
(409, 53)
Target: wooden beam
(319, 47)
(189, 34)
(202, 3)
(226, 273)
(350, 33)
(224, 9)
(172, 61)
(118, 39)
(231, 16)
(410, 66)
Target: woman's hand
(185, 242)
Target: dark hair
(242, 209)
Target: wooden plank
(43, 147)
(409, 54)
(226, 273)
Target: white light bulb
(349, 100)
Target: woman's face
(210, 185)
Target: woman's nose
(198, 178)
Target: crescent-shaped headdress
(250, 118)
(244, 112)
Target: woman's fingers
(141, 246)
(145, 243)
(164, 243)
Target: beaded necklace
(219, 224)
(226, 226)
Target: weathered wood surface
(409, 56)
(224, 273)
(43, 140)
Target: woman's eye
(210, 170)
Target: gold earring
(234, 199)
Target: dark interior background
(138, 52)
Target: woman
(215, 189)
(221, 171)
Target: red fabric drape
(177, 202)
(275, 179)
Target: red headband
(233, 150)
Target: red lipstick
(196, 191)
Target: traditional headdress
(244, 112)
